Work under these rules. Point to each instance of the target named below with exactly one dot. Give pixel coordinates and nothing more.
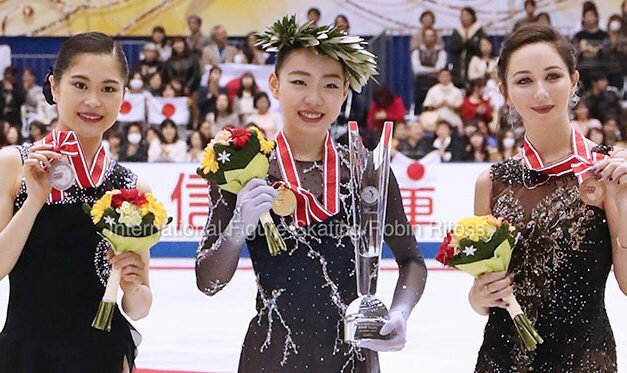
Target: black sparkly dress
(303, 293)
(561, 265)
(56, 287)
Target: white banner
(133, 108)
(434, 198)
(162, 108)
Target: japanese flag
(175, 109)
(412, 173)
(133, 108)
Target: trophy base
(364, 319)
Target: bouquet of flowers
(232, 159)
(483, 244)
(130, 221)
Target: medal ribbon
(579, 162)
(308, 208)
(66, 143)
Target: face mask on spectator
(615, 26)
(134, 138)
(508, 143)
(136, 84)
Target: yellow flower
(209, 163)
(474, 228)
(155, 208)
(98, 209)
(264, 145)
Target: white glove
(254, 199)
(397, 327)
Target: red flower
(130, 195)
(446, 252)
(240, 137)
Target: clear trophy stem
(369, 176)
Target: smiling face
(539, 85)
(311, 89)
(89, 94)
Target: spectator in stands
(205, 132)
(244, 104)
(135, 148)
(544, 19)
(160, 39)
(474, 105)
(614, 51)
(196, 40)
(589, 42)
(597, 136)
(313, 16)
(218, 51)
(582, 121)
(385, 106)
(612, 131)
(53, 124)
(464, 44)
(112, 141)
(167, 147)
(603, 100)
(427, 21)
(445, 98)
(174, 88)
(155, 84)
(426, 61)
(152, 133)
(251, 53)
(136, 83)
(195, 143)
(269, 122)
(12, 97)
(450, 147)
(484, 128)
(530, 14)
(418, 143)
(341, 23)
(183, 65)
(150, 62)
(37, 131)
(484, 65)
(223, 114)
(14, 137)
(33, 93)
(477, 149)
(207, 95)
(507, 146)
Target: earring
(512, 117)
(574, 98)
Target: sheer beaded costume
(303, 293)
(561, 264)
(56, 287)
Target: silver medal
(61, 175)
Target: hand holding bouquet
(233, 158)
(130, 221)
(484, 244)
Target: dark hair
(20, 139)
(501, 136)
(344, 18)
(314, 10)
(530, 2)
(470, 11)
(258, 96)
(489, 41)
(475, 84)
(253, 88)
(85, 43)
(615, 17)
(427, 13)
(383, 96)
(484, 145)
(589, 6)
(215, 67)
(543, 14)
(37, 124)
(134, 124)
(186, 51)
(531, 34)
(164, 124)
(161, 30)
(247, 50)
(195, 17)
(30, 71)
(229, 107)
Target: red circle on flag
(168, 110)
(416, 171)
(126, 107)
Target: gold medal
(592, 191)
(285, 203)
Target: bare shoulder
(10, 163)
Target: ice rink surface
(188, 331)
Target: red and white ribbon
(308, 208)
(66, 143)
(579, 162)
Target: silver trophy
(370, 172)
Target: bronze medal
(592, 191)
(285, 203)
